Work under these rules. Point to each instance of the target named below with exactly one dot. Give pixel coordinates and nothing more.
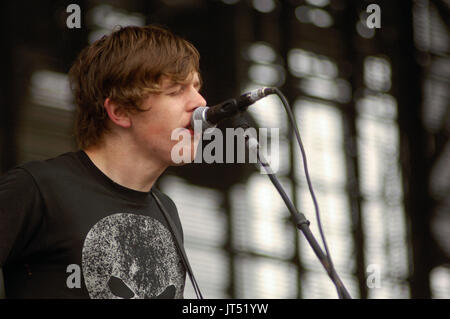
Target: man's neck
(125, 166)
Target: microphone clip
(226, 109)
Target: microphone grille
(199, 115)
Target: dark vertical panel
(350, 142)
(7, 107)
(232, 287)
(407, 76)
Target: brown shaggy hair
(126, 66)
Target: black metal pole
(300, 220)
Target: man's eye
(177, 92)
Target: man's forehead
(168, 82)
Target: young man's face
(168, 111)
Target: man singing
(87, 224)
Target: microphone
(211, 116)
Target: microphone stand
(299, 219)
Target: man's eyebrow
(197, 84)
(171, 85)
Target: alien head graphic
(131, 256)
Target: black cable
(340, 289)
(305, 166)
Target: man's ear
(116, 114)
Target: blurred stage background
(372, 107)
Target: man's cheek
(182, 150)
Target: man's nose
(202, 100)
(198, 100)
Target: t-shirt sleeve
(20, 213)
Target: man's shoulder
(47, 170)
(15, 178)
(165, 198)
(53, 166)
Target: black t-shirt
(68, 231)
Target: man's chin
(179, 159)
(181, 163)
(182, 160)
